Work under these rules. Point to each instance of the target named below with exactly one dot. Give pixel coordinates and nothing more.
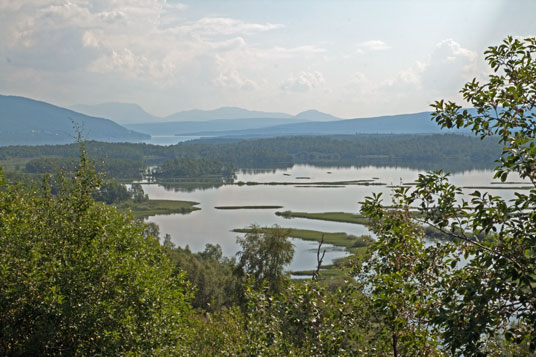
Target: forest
(128, 161)
(79, 277)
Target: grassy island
(339, 239)
(327, 216)
(249, 207)
(353, 244)
(154, 207)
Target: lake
(165, 140)
(210, 225)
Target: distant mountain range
(127, 113)
(238, 122)
(417, 123)
(121, 113)
(29, 122)
(215, 127)
(223, 113)
(25, 121)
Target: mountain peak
(120, 112)
(315, 115)
(27, 121)
(222, 113)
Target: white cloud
(147, 40)
(359, 78)
(230, 44)
(175, 6)
(89, 39)
(439, 75)
(205, 55)
(234, 80)
(134, 66)
(443, 73)
(303, 82)
(372, 45)
(217, 26)
(449, 67)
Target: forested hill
(25, 121)
(417, 123)
(431, 152)
(121, 113)
(213, 126)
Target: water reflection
(215, 226)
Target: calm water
(166, 140)
(210, 225)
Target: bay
(210, 225)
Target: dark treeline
(449, 152)
(193, 168)
(216, 279)
(113, 167)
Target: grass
(357, 246)
(327, 216)
(155, 207)
(14, 164)
(527, 187)
(321, 186)
(328, 272)
(249, 207)
(313, 184)
(339, 239)
(494, 186)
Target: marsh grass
(156, 207)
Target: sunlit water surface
(210, 225)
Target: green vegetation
(187, 186)
(78, 277)
(249, 207)
(217, 284)
(507, 187)
(114, 168)
(192, 168)
(338, 239)
(452, 152)
(142, 209)
(327, 216)
(331, 272)
(264, 254)
(357, 246)
(430, 298)
(315, 184)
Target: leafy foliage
(188, 167)
(264, 254)
(211, 275)
(112, 167)
(482, 283)
(79, 278)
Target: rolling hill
(213, 126)
(26, 121)
(122, 113)
(417, 123)
(223, 113)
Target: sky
(347, 58)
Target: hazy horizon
(349, 59)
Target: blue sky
(348, 58)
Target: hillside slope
(417, 123)
(122, 113)
(25, 121)
(215, 126)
